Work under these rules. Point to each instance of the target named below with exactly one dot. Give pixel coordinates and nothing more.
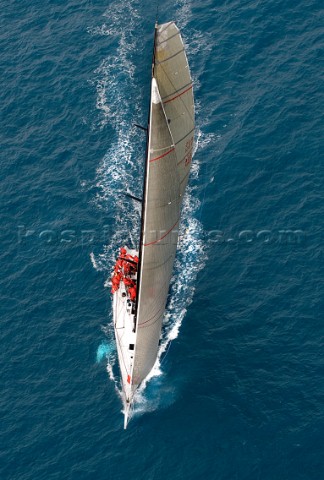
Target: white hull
(170, 140)
(124, 326)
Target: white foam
(184, 13)
(118, 69)
(102, 30)
(94, 262)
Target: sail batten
(176, 91)
(167, 39)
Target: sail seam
(153, 150)
(171, 82)
(161, 156)
(159, 240)
(181, 139)
(184, 178)
(169, 58)
(156, 316)
(179, 95)
(176, 91)
(165, 28)
(167, 39)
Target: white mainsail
(171, 133)
(169, 153)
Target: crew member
(128, 282)
(132, 293)
(119, 265)
(127, 267)
(115, 282)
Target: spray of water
(104, 351)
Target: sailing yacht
(141, 279)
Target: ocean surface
(238, 392)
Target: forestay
(171, 134)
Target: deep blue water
(239, 393)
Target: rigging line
(167, 121)
(122, 354)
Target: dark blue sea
(238, 392)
